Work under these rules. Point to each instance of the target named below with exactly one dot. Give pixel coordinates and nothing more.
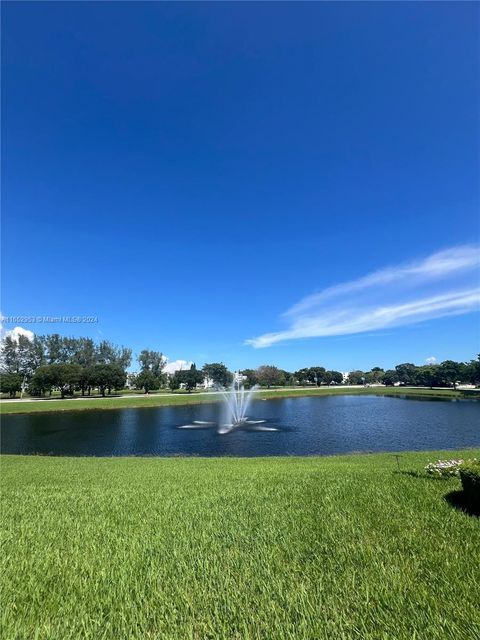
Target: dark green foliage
(189, 378)
(288, 378)
(407, 373)
(317, 376)
(356, 377)
(428, 376)
(11, 383)
(449, 373)
(108, 353)
(85, 352)
(218, 373)
(67, 377)
(334, 377)
(147, 381)
(300, 376)
(25, 356)
(174, 382)
(390, 377)
(470, 476)
(251, 377)
(62, 376)
(374, 376)
(21, 355)
(106, 377)
(41, 382)
(152, 361)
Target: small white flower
(444, 468)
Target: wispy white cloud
(443, 284)
(431, 360)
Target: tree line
(65, 363)
(448, 373)
(71, 365)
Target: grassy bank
(317, 548)
(81, 404)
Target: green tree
(174, 381)
(53, 347)
(31, 355)
(191, 377)
(85, 379)
(108, 353)
(153, 361)
(9, 355)
(188, 377)
(11, 383)
(356, 377)
(472, 371)
(333, 377)
(428, 376)
(407, 373)
(316, 375)
(69, 349)
(288, 377)
(390, 377)
(302, 376)
(374, 376)
(85, 352)
(147, 381)
(449, 372)
(21, 355)
(62, 376)
(268, 375)
(107, 377)
(251, 377)
(218, 373)
(41, 381)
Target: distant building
(207, 383)
(239, 378)
(129, 384)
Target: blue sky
(201, 175)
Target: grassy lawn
(80, 404)
(320, 548)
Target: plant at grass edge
(470, 477)
(444, 468)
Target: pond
(305, 426)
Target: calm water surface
(307, 426)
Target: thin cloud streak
(444, 284)
(438, 265)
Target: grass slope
(297, 548)
(81, 404)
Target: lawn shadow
(459, 500)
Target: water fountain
(233, 411)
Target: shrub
(470, 476)
(444, 468)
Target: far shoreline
(54, 405)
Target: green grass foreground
(81, 404)
(319, 548)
